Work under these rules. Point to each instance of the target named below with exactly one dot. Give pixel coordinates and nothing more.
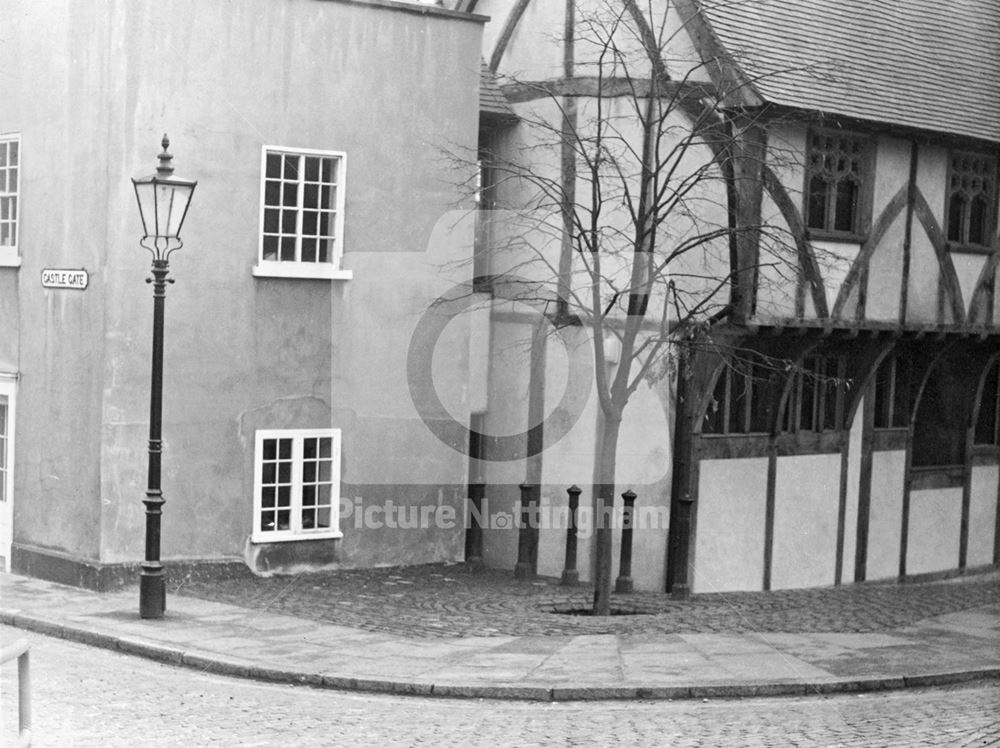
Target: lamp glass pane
(146, 197)
(171, 205)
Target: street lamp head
(163, 204)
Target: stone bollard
(624, 581)
(570, 575)
(527, 537)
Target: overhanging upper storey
(882, 124)
(914, 63)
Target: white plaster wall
(932, 177)
(891, 173)
(968, 268)
(885, 273)
(934, 530)
(508, 414)
(778, 267)
(553, 519)
(885, 514)
(779, 259)
(925, 272)
(479, 356)
(644, 465)
(568, 461)
(806, 506)
(729, 542)
(982, 514)
(834, 260)
(534, 52)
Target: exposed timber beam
(593, 86)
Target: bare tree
(631, 205)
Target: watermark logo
(502, 448)
(359, 515)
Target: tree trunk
(604, 490)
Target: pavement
(444, 630)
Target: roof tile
(917, 63)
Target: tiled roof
(922, 63)
(491, 98)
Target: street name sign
(65, 278)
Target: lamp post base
(152, 592)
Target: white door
(6, 470)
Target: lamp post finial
(165, 168)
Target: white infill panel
(982, 515)
(729, 545)
(834, 260)
(934, 530)
(968, 268)
(806, 507)
(885, 514)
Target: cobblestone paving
(451, 601)
(84, 696)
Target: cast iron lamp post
(163, 203)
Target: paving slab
(599, 660)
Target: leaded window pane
(970, 198)
(977, 220)
(847, 205)
(836, 173)
(817, 202)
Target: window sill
(9, 261)
(301, 270)
(286, 537)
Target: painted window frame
(861, 219)
(10, 253)
(295, 531)
(991, 174)
(297, 268)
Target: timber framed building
(876, 455)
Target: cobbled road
(84, 696)
(450, 601)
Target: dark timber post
(679, 549)
(477, 490)
(527, 538)
(570, 575)
(624, 581)
(474, 533)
